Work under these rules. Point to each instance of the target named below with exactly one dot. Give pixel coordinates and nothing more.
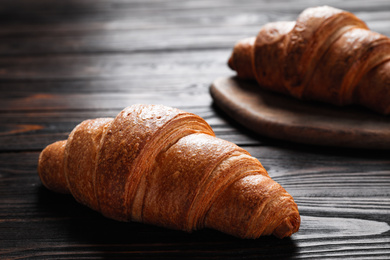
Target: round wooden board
(285, 118)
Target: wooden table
(62, 62)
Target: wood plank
(90, 27)
(128, 85)
(193, 6)
(109, 69)
(230, 20)
(165, 39)
(95, 101)
(137, 65)
(120, 36)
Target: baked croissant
(159, 165)
(327, 55)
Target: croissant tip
(289, 226)
(50, 167)
(231, 63)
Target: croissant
(163, 166)
(327, 55)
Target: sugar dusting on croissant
(163, 166)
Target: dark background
(62, 62)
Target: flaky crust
(327, 55)
(163, 166)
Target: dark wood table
(62, 62)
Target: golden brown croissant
(163, 166)
(327, 55)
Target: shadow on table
(87, 231)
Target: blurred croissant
(159, 165)
(327, 55)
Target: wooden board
(285, 118)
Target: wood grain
(64, 62)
